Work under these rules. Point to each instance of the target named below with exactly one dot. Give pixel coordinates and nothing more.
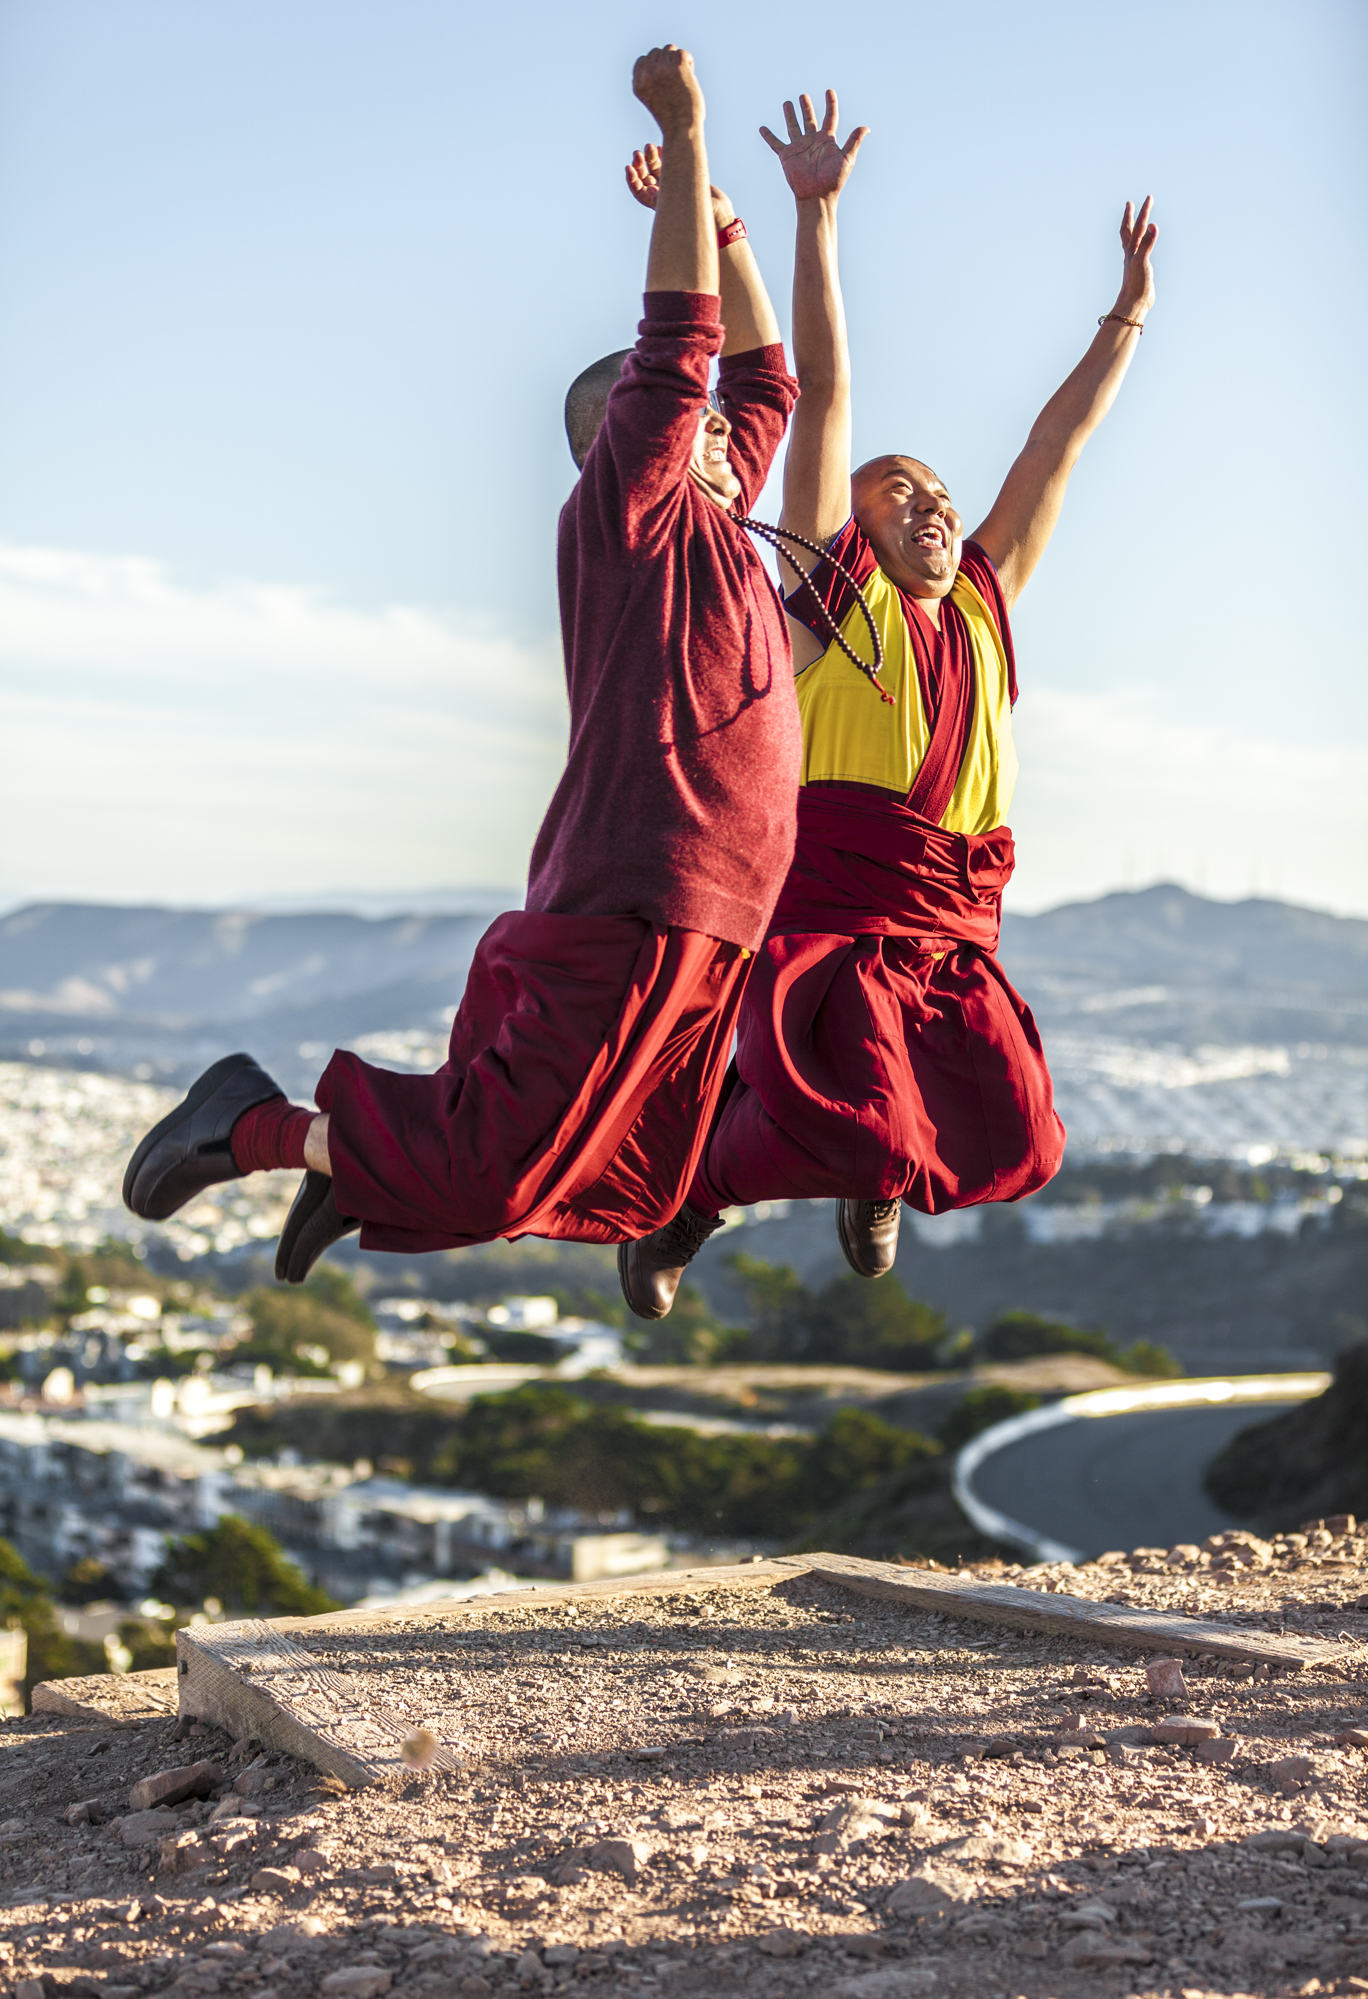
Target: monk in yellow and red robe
(882, 1054)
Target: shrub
(542, 1439)
(1026, 1336)
(244, 1567)
(24, 1600)
(849, 1322)
(979, 1410)
(327, 1314)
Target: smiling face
(912, 527)
(709, 466)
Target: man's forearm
(747, 314)
(821, 352)
(817, 468)
(683, 255)
(1081, 401)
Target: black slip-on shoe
(869, 1235)
(189, 1150)
(649, 1270)
(312, 1225)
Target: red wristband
(731, 232)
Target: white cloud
(199, 744)
(1116, 793)
(202, 744)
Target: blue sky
(291, 294)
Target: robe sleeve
(635, 473)
(826, 587)
(757, 394)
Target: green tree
(542, 1439)
(149, 1643)
(979, 1410)
(24, 1601)
(1146, 1358)
(244, 1567)
(524, 1349)
(690, 1337)
(1026, 1336)
(849, 1322)
(857, 1450)
(327, 1314)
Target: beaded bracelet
(1138, 324)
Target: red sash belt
(870, 866)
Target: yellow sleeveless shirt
(850, 736)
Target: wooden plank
(656, 1582)
(254, 1680)
(1073, 1616)
(109, 1696)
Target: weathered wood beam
(257, 1679)
(108, 1696)
(657, 1582)
(253, 1680)
(1073, 1616)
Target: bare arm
(1023, 517)
(817, 467)
(683, 254)
(747, 314)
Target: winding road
(1124, 1481)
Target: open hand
(1138, 238)
(814, 164)
(665, 82)
(643, 178)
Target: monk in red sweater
(882, 1054)
(590, 1048)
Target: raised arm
(683, 254)
(1018, 528)
(747, 314)
(817, 468)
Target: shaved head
(904, 509)
(867, 477)
(588, 400)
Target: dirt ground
(728, 1790)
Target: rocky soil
(728, 1790)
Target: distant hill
(1166, 965)
(165, 990)
(1168, 1017)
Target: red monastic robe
(881, 1049)
(590, 1047)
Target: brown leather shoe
(650, 1270)
(869, 1235)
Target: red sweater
(678, 800)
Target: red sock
(270, 1135)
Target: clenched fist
(664, 81)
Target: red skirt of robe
(881, 1049)
(585, 1064)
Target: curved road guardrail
(1160, 1395)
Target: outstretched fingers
(643, 176)
(1134, 227)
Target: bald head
(875, 472)
(588, 400)
(912, 527)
